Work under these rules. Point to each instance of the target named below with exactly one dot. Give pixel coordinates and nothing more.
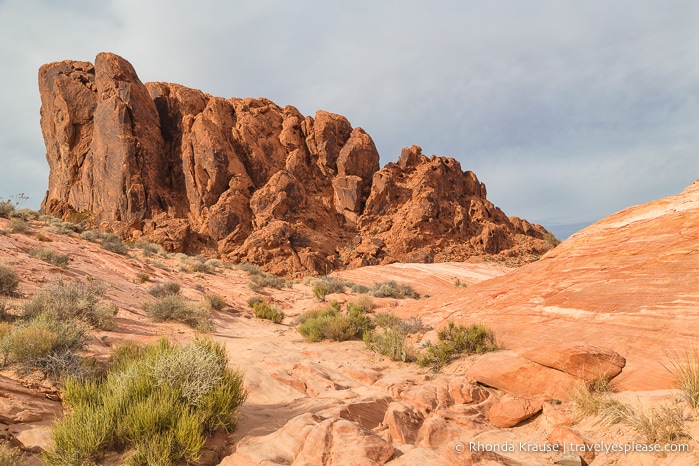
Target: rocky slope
(251, 181)
(629, 282)
(613, 301)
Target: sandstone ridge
(252, 181)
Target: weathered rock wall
(251, 181)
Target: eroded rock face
(251, 181)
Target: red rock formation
(251, 181)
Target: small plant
(143, 277)
(264, 311)
(454, 340)
(17, 225)
(594, 400)
(215, 301)
(685, 368)
(249, 268)
(157, 403)
(42, 342)
(389, 341)
(77, 299)
(164, 289)
(176, 308)
(112, 243)
(254, 299)
(320, 291)
(359, 289)
(150, 248)
(10, 456)
(8, 280)
(265, 280)
(50, 256)
(664, 424)
(391, 289)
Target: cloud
(568, 111)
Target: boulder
(509, 413)
(521, 377)
(581, 360)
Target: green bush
(254, 299)
(77, 299)
(391, 289)
(179, 309)
(165, 289)
(249, 268)
(330, 324)
(50, 256)
(454, 340)
(264, 311)
(143, 277)
(157, 403)
(320, 291)
(8, 280)
(389, 341)
(44, 343)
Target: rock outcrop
(251, 181)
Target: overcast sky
(568, 111)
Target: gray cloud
(567, 111)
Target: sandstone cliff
(251, 181)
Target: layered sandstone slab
(628, 283)
(255, 182)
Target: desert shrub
(157, 403)
(10, 456)
(164, 289)
(595, 400)
(8, 280)
(264, 310)
(215, 301)
(264, 280)
(389, 341)
(112, 243)
(26, 214)
(254, 299)
(55, 225)
(7, 208)
(685, 368)
(176, 308)
(386, 320)
(454, 340)
(150, 248)
(363, 302)
(391, 289)
(196, 264)
(17, 225)
(31, 343)
(320, 291)
(360, 289)
(143, 277)
(47, 344)
(91, 235)
(331, 324)
(77, 299)
(662, 424)
(333, 285)
(50, 256)
(413, 325)
(249, 268)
